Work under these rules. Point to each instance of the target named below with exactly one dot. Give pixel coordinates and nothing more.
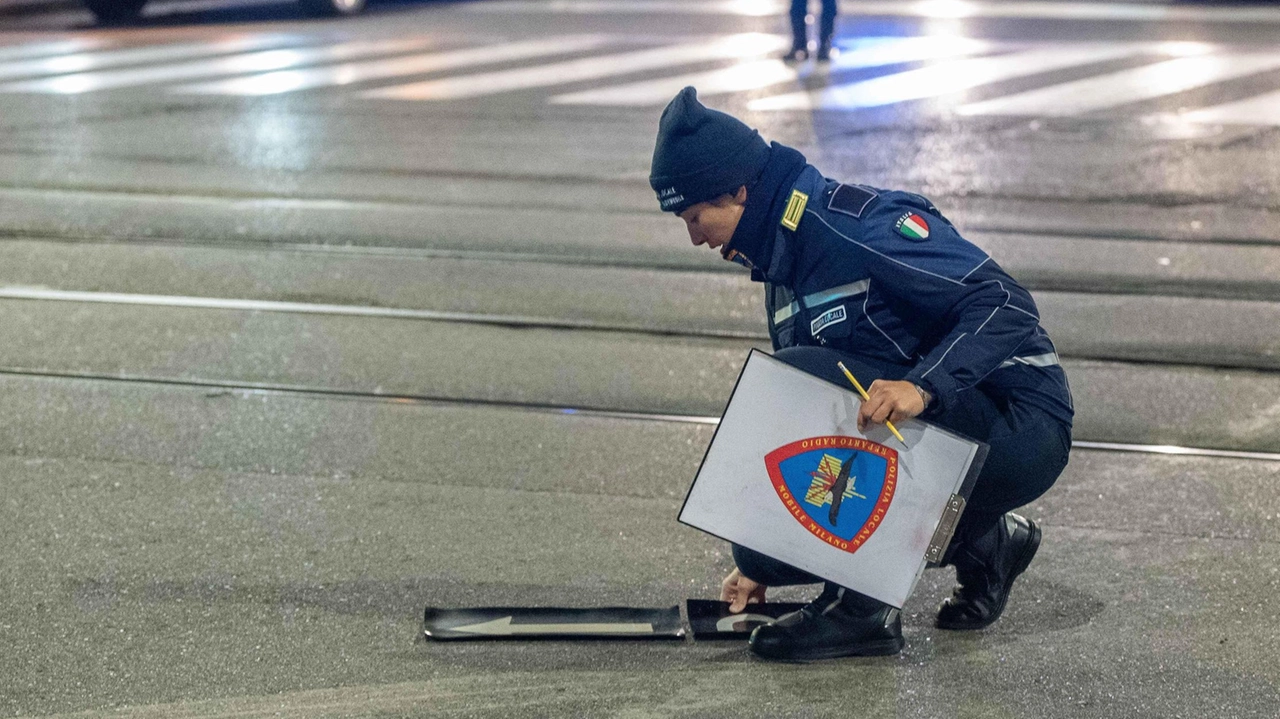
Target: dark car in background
(116, 11)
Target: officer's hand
(739, 591)
(889, 400)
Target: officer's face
(712, 223)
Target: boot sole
(878, 648)
(1024, 561)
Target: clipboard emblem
(838, 488)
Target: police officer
(880, 280)
(800, 36)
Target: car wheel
(331, 8)
(115, 11)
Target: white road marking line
(866, 52)
(221, 303)
(944, 77)
(1176, 450)
(1134, 12)
(1260, 110)
(345, 74)
(55, 47)
(270, 389)
(1127, 86)
(89, 61)
(745, 45)
(310, 308)
(938, 9)
(231, 65)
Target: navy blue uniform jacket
(854, 275)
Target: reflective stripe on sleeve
(820, 298)
(785, 313)
(1048, 359)
(836, 293)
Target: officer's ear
(732, 198)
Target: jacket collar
(755, 238)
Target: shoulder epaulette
(795, 210)
(851, 200)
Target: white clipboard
(769, 477)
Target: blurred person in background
(800, 36)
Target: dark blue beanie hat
(702, 154)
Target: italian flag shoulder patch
(912, 227)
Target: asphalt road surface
(302, 321)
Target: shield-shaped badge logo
(839, 488)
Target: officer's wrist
(925, 395)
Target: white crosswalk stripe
(739, 78)
(230, 65)
(1049, 80)
(1259, 110)
(348, 73)
(944, 78)
(56, 47)
(866, 52)
(745, 8)
(1128, 86)
(82, 62)
(741, 46)
(933, 9)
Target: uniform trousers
(1028, 450)
(826, 26)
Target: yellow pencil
(863, 392)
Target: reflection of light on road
(945, 8)
(273, 138)
(91, 81)
(744, 45)
(57, 47)
(1259, 110)
(943, 77)
(739, 78)
(154, 55)
(254, 62)
(66, 63)
(348, 73)
(747, 44)
(1127, 86)
(275, 83)
(1176, 75)
(269, 60)
(753, 8)
(875, 51)
(1184, 48)
(1174, 126)
(272, 83)
(71, 84)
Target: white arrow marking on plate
(727, 624)
(503, 626)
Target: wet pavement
(282, 367)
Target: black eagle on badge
(837, 490)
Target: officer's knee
(811, 360)
(753, 565)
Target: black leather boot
(799, 47)
(797, 53)
(985, 568)
(839, 623)
(824, 50)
